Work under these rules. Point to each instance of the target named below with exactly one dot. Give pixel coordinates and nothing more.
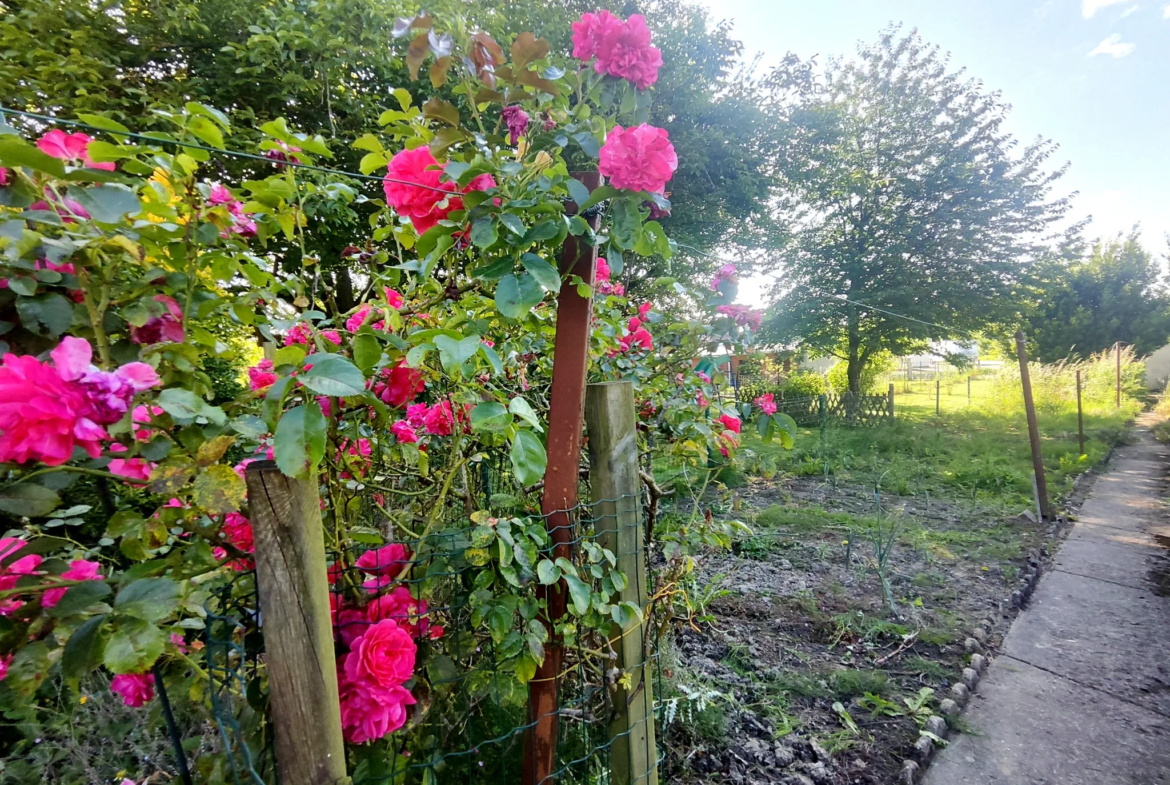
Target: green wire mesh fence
(470, 718)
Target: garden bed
(797, 671)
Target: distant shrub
(878, 366)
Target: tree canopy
(1085, 304)
(916, 216)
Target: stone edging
(913, 769)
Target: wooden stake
(1033, 429)
(559, 502)
(1080, 416)
(937, 396)
(968, 390)
(1117, 351)
(616, 488)
(890, 402)
(298, 633)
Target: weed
(800, 684)
(848, 683)
(917, 707)
(930, 669)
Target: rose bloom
(394, 298)
(368, 711)
(73, 148)
(591, 31)
(383, 654)
(439, 420)
(136, 689)
(167, 327)
(625, 52)
(4, 663)
(404, 433)
(398, 385)
(351, 624)
(410, 613)
(300, 333)
(238, 531)
(261, 376)
(729, 422)
(43, 416)
(387, 559)
(130, 468)
(110, 393)
(141, 417)
(638, 159)
(424, 206)
(766, 403)
(79, 570)
(517, 121)
(416, 414)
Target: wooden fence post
(937, 396)
(1117, 351)
(559, 500)
(1080, 416)
(890, 401)
(617, 505)
(968, 390)
(1033, 429)
(298, 632)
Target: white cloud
(1129, 11)
(1166, 12)
(1090, 7)
(1113, 47)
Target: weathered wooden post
(565, 424)
(611, 424)
(1033, 429)
(298, 633)
(1080, 416)
(890, 402)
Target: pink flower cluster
(25, 565)
(397, 385)
(302, 333)
(601, 280)
(136, 689)
(413, 188)
(242, 223)
(742, 315)
(130, 468)
(516, 119)
(48, 410)
(262, 376)
(381, 647)
(638, 159)
(354, 323)
(71, 148)
(636, 334)
(622, 48)
(725, 273)
(436, 420)
(730, 436)
(167, 326)
(79, 570)
(766, 403)
(237, 530)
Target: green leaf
(483, 231)
(334, 375)
(547, 572)
(490, 416)
(15, 152)
(133, 647)
(368, 142)
(51, 310)
(248, 425)
(83, 651)
(300, 440)
(599, 195)
(289, 355)
(149, 599)
(26, 500)
(545, 230)
(579, 594)
(578, 191)
(185, 406)
(454, 353)
(513, 224)
(107, 203)
(218, 490)
(516, 295)
(79, 597)
(366, 352)
(495, 269)
(545, 274)
(529, 459)
(371, 162)
(522, 409)
(493, 358)
(207, 131)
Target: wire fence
(476, 635)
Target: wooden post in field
(968, 390)
(890, 402)
(1033, 428)
(298, 633)
(561, 476)
(937, 396)
(1117, 351)
(1080, 416)
(611, 423)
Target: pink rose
(142, 416)
(725, 273)
(384, 654)
(368, 711)
(638, 159)
(644, 311)
(261, 376)
(300, 333)
(73, 148)
(3, 176)
(410, 613)
(730, 423)
(413, 188)
(43, 416)
(79, 570)
(602, 273)
(625, 52)
(394, 298)
(398, 385)
(220, 195)
(516, 119)
(440, 421)
(416, 414)
(591, 31)
(404, 432)
(130, 468)
(351, 624)
(136, 689)
(168, 326)
(766, 403)
(238, 531)
(389, 559)
(332, 336)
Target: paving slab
(1079, 693)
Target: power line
(220, 150)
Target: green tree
(1117, 292)
(918, 216)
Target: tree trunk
(344, 289)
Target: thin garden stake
(172, 726)
(1033, 428)
(1080, 416)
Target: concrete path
(1080, 692)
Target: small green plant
(916, 707)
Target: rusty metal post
(566, 422)
(1033, 429)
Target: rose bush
(132, 269)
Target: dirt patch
(823, 682)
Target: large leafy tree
(1085, 304)
(331, 66)
(918, 217)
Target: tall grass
(1054, 386)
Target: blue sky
(1092, 75)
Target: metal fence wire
(470, 718)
